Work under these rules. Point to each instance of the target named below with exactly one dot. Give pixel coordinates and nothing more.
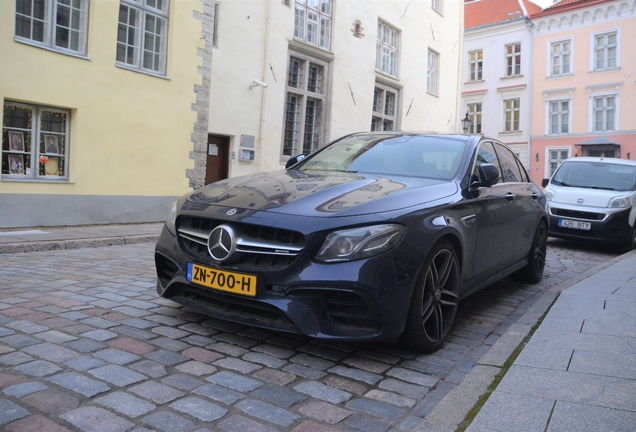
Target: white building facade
(290, 76)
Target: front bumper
(612, 227)
(358, 300)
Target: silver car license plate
(572, 224)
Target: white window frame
(606, 49)
(604, 111)
(438, 6)
(549, 169)
(50, 23)
(301, 96)
(387, 50)
(385, 111)
(514, 58)
(35, 156)
(476, 62)
(512, 110)
(312, 22)
(475, 116)
(132, 48)
(432, 73)
(559, 115)
(561, 56)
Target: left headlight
(172, 218)
(357, 243)
(620, 202)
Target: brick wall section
(202, 104)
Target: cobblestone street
(86, 344)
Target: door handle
(510, 196)
(535, 195)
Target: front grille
(577, 214)
(166, 268)
(259, 247)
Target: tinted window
(510, 171)
(402, 155)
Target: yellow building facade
(101, 108)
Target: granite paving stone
(85, 346)
(390, 398)
(168, 422)
(351, 386)
(131, 345)
(199, 409)
(323, 392)
(410, 376)
(139, 323)
(380, 409)
(100, 335)
(237, 365)
(305, 372)
(267, 412)
(79, 383)
(90, 418)
(234, 381)
(55, 336)
(198, 340)
(10, 412)
(19, 341)
(84, 363)
(275, 376)
(15, 358)
(238, 423)
(99, 322)
(27, 327)
(202, 355)
(324, 412)
(171, 332)
(51, 401)
(51, 352)
(182, 382)
(21, 390)
(365, 423)
(280, 396)
(113, 355)
(356, 374)
(167, 358)
(169, 344)
(312, 362)
(38, 368)
(403, 388)
(150, 368)
(221, 394)
(134, 332)
(117, 375)
(156, 392)
(196, 368)
(126, 404)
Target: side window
(510, 171)
(485, 154)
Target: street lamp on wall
(466, 123)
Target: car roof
(609, 160)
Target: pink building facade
(584, 83)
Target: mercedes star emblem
(221, 243)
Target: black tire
(630, 244)
(533, 271)
(435, 299)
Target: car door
(494, 215)
(524, 196)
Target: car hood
(584, 196)
(321, 193)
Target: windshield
(405, 155)
(596, 175)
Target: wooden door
(217, 162)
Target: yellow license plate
(236, 283)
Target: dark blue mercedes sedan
(377, 236)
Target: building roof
(566, 5)
(478, 13)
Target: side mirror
(545, 182)
(294, 160)
(489, 174)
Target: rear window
(596, 175)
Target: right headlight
(620, 202)
(358, 243)
(172, 218)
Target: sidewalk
(75, 237)
(576, 373)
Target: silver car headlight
(172, 218)
(620, 202)
(357, 243)
(549, 194)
